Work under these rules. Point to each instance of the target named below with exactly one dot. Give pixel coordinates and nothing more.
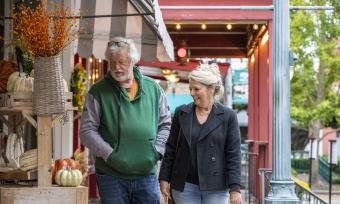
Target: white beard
(120, 77)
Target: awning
(189, 66)
(154, 69)
(139, 20)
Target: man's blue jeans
(192, 195)
(143, 190)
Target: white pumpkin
(12, 80)
(68, 177)
(32, 73)
(24, 84)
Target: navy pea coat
(218, 149)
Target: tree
(315, 38)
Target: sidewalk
(321, 188)
(97, 201)
(335, 197)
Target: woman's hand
(165, 189)
(235, 198)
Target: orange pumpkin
(53, 172)
(61, 164)
(71, 163)
(6, 69)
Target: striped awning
(140, 20)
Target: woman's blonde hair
(208, 74)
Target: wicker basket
(49, 94)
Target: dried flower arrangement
(44, 32)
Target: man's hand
(165, 189)
(235, 198)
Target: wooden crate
(19, 175)
(43, 195)
(25, 99)
(17, 99)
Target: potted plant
(45, 33)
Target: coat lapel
(185, 119)
(214, 120)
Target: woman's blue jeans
(143, 190)
(192, 195)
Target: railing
(245, 170)
(306, 196)
(265, 182)
(324, 169)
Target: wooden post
(44, 150)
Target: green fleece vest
(130, 127)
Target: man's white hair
(117, 43)
(208, 74)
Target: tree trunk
(314, 131)
(315, 126)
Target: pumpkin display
(68, 177)
(71, 163)
(12, 80)
(32, 73)
(61, 164)
(6, 69)
(53, 171)
(24, 83)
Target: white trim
(209, 33)
(217, 48)
(271, 7)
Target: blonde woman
(202, 161)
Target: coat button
(211, 145)
(215, 173)
(213, 159)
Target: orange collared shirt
(132, 91)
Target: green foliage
(329, 107)
(28, 60)
(301, 165)
(293, 172)
(314, 35)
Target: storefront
(101, 20)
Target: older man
(126, 123)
